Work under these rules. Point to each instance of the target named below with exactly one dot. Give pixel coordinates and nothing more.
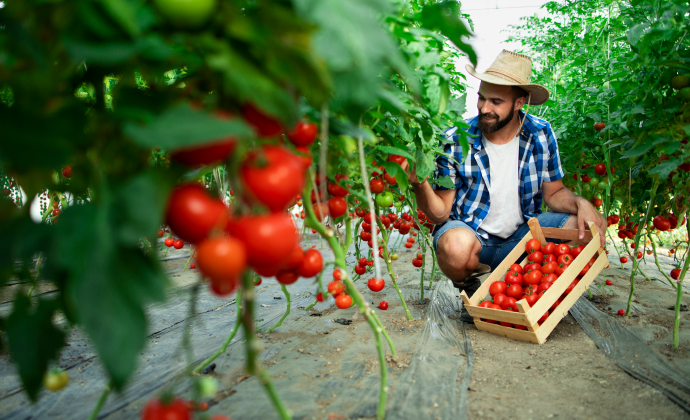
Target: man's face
(496, 107)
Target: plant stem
(640, 229)
(387, 259)
(287, 310)
(252, 346)
(363, 307)
(223, 348)
(101, 400)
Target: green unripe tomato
(594, 182)
(394, 257)
(602, 185)
(207, 387)
(384, 199)
(685, 93)
(679, 82)
(186, 13)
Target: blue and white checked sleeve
(553, 170)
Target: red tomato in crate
(497, 287)
(536, 257)
(533, 245)
(513, 278)
(516, 268)
(562, 249)
(514, 291)
(549, 248)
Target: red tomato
(265, 125)
(335, 288)
(286, 276)
(499, 299)
(390, 180)
(319, 297)
(639, 254)
(268, 239)
(544, 287)
(67, 171)
(516, 268)
(295, 258)
(532, 267)
(383, 305)
(337, 274)
(609, 283)
(362, 261)
(417, 262)
(169, 242)
(221, 257)
(396, 158)
(536, 257)
(510, 304)
(311, 264)
(343, 301)
(624, 260)
(532, 299)
(376, 186)
(562, 249)
(337, 206)
(543, 318)
(675, 273)
(550, 278)
(661, 223)
(360, 269)
(533, 245)
(533, 277)
(366, 236)
(549, 248)
(337, 190)
(303, 155)
(548, 258)
(512, 278)
(584, 271)
(408, 245)
(550, 267)
(485, 304)
(376, 285)
(192, 213)
(157, 410)
(497, 287)
(565, 259)
(514, 291)
(178, 244)
(205, 154)
(303, 134)
(161, 232)
(576, 251)
(600, 169)
(273, 177)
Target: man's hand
(411, 172)
(587, 213)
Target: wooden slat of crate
(513, 333)
(566, 234)
(562, 310)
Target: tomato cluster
(227, 243)
(545, 264)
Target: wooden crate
(526, 315)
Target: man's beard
(488, 128)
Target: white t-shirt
(505, 211)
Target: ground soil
(324, 364)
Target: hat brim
(539, 94)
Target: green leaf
(445, 17)
(638, 150)
(395, 151)
(687, 130)
(445, 182)
(665, 168)
(636, 32)
(424, 167)
(181, 126)
(124, 13)
(33, 340)
(142, 200)
(109, 285)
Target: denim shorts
(495, 249)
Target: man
(513, 163)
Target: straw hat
(513, 69)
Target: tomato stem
(223, 348)
(287, 310)
(101, 401)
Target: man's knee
(571, 223)
(458, 251)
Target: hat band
(512, 77)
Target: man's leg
(458, 253)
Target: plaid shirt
(539, 162)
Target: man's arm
(435, 204)
(562, 200)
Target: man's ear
(519, 103)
